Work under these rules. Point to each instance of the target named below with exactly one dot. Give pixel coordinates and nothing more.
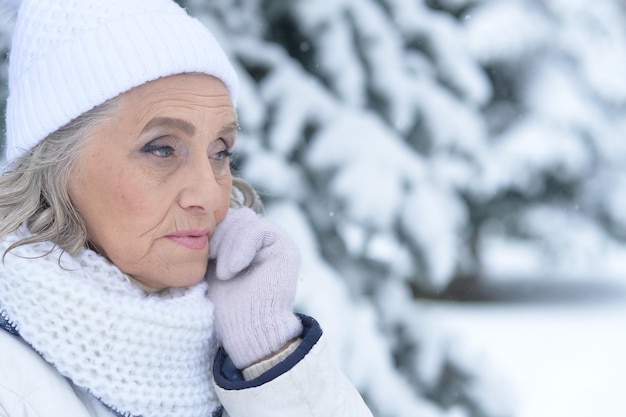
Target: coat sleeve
(30, 387)
(305, 384)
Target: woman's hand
(252, 276)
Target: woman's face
(152, 182)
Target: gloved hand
(252, 275)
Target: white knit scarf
(141, 354)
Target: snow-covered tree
(410, 144)
(6, 26)
(551, 192)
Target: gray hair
(34, 188)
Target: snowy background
(455, 174)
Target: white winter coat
(309, 386)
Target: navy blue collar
(7, 324)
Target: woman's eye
(162, 151)
(222, 155)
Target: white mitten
(252, 275)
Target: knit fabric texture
(253, 284)
(141, 354)
(68, 56)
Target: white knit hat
(69, 56)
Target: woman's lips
(191, 239)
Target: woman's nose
(201, 191)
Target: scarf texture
(140, 354)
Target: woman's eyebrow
(229, 128)
(185, 126)
(179, 124)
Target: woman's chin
(188, 279)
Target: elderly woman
(136, 280)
